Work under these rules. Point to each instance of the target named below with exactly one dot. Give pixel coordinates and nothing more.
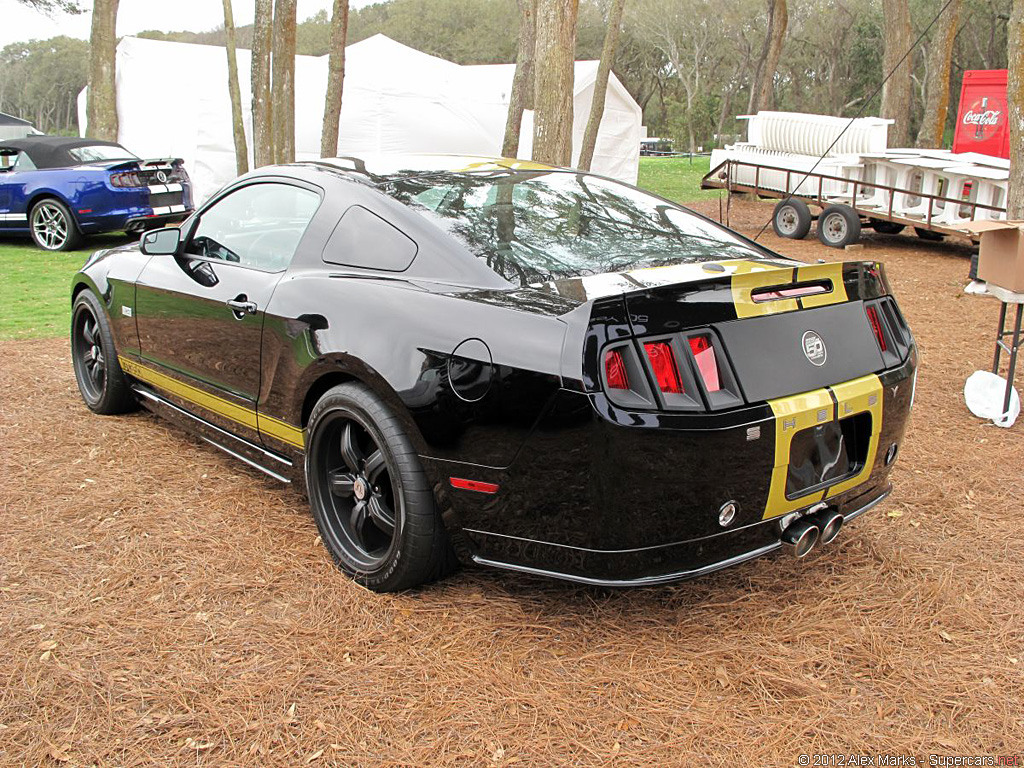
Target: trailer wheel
(929, 235)
(838, 226)
(792, 219)
(886, 227)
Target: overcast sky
(21, 23)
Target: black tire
(929, 235)
(792, 219)
(100, 379)
(886, 227)
(369, 495)
(53, 227)
(838, 226)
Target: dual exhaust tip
(803, 535)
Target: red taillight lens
(473, 485)
(876, 327)
(707, 363)
(615, 370)
(663, 363)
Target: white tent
(172, 100)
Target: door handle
(241, 306)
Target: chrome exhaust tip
(829, 522)
(800, 537)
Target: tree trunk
(553, 81)
(238, 128)
(335, 80)
(262, 118)
(1015, 103)
(283, 89)
(611, 39)
(101, 104)
(940, 58)
(896, 93)
(522, 82)
(763, 87)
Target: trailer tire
(838, 226)
(792, 219)
(929, 235)
(886, 227)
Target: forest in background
(689, 63)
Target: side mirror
(161, 242)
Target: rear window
(534, 226)
(100, 152)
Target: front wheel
(53, 227)
(886, 227)
(97, 370)
(930, 235)
(369, 495)
(838, 226)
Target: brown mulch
(162, 604)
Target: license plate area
(826, 454)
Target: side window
(257, 226)
(24, 163)
(363, 239)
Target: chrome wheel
(51, 228)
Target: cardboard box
(1001, 256)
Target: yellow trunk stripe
(239, 414)
(832, 272)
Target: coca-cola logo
(984, 115)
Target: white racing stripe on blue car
(13, 217)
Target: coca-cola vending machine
(982, 124)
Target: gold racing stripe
(793, 414)
(810, 409)
(857, 396)
(750, 276)
(239, 414)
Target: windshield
(99, 152)
(534, 226)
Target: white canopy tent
(172, 100)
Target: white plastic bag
(984, 393)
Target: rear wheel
(792, 219)
(886, 227)
(100, 378)
(53, 227)
(838, 226)
(368, 493)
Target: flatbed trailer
(843, 214)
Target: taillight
(615, 370)
(876, 327)
(707, 363)
(126, 179)
(663, 363)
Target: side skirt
(273, 464)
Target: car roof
(52, 151)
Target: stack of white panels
(817, 135)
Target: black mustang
(505, 363)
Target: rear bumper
(660, 565)
(154, 221)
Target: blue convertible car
(60, 189)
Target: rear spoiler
(158, 162)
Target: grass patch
(676, 178)
(35, 287)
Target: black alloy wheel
(97, 370)
(369, 495)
